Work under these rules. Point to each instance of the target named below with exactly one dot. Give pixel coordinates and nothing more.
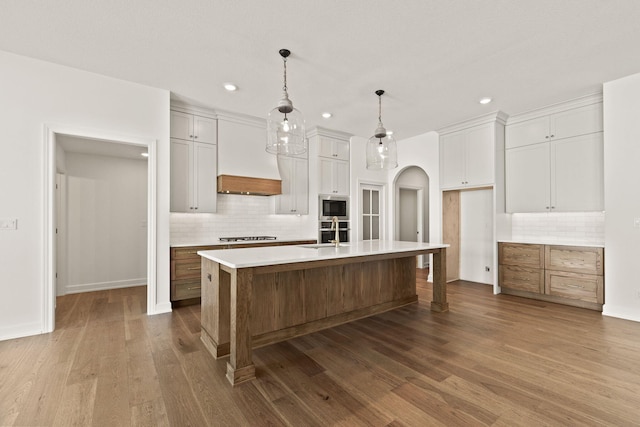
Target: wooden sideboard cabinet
(186, 268)
(572, 275)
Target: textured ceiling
(434, 58)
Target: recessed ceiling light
(485, 100)
(144, 154)
(327, 115)
(230, 87)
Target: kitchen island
(259, 296)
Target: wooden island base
(247, 308)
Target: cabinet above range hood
(232, 184)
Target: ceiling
(434, 58)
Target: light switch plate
(8, 223)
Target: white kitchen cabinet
(334, 176)
(564, 124)
(294, 173)
(192, 127)
(333, 148)
(565, 175)
(467, 157)
(577, 173)
(193, 176)
(528, 178)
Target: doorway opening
(96, 144)
(412, 208)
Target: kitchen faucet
(334, 225)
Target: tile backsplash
(240, 216)
(574, 227)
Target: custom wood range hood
(232, 184)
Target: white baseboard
(19, 331)
(620, 313)
(101, 286)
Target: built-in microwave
(330, 206)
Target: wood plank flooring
(491, 360)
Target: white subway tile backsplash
(578, 227)
(240, 216)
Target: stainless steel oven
(326, 234)
(330, 206)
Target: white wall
(622, 197)
(106, 222)
(414, 177)
(36, 93)
(476, 235)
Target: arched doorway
(412, 207)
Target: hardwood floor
(491, 360)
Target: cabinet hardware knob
(547, 207)
(190, 136)
(552, 136)
(196, 207)
(547, 136)
(209, 276)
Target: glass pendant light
(285, 125)
(382, 150)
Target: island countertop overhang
(259, 257)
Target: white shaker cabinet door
(528, 179)
(528, 132)
(181, 125)
(181, 176)
(452, 160)
(479, 156)
(205, 177)
(577, 173)
(205, 129)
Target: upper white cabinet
(467, 157)
(294, 172)
(193, 176)
(333, 162)
(333, 148)
(564, 124)
(334, 176)
(557, 170)
(193, 127)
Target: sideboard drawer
(522, 278)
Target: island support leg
(240, 367)
(439, 302)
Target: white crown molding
(243, 119)
(495, 116)
(192, 109)
(329, 133)
(582, 101)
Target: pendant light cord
(285, 74)
(380, 109)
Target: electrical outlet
(8, 223)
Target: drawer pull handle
(194, 287)
(575, 286)
(194, 268)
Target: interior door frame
(49, 224)
(419, 209)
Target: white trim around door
(49, 217)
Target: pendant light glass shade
(285, 125)
(382, 150)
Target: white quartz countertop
(258, 257)
(543, 241)
(215, 242)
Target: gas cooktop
(246, 238)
